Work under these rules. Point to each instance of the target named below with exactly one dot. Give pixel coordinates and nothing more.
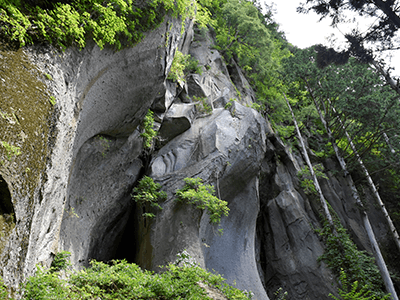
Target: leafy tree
(367, 45)
(251, 38)
(119, 23)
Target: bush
(182, 65)
(148, 133)
(147, 193)
(122, 280)
(342, 254)
(60, 261)
(202, 197)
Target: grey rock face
(289, 244)
(206, 130)
(102, 97)
(224, 151)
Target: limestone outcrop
(94, 156)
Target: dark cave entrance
(127, 247)
(7, 214)
(6, 206)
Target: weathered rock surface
(95, 157)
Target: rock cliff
(70, 189)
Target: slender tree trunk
(315, 180)
(393, 84)
(364, 216)
(374, 190)
(388, 143)
(378, 256)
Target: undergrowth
(342, 254)
(122, 280)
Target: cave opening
(6, 206)
(127, 246)
(7, 214)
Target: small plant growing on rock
(280, 294)
(305, 178)
(148, 192)
(148, 133)
(202, 197)
(52, 100)
(202, 105)
(11, 150)
(182, 65)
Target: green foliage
(46, 285)
(342, 254)
(256, 106)
(121, 280)
(306, 182)
(229, 104)
(181, 66)
(280, 294)
(202, 197)
(148, 133)
(251, 38)
(60, 261)
(3, 291)
(48, 76)
(118, 23)
(52, 100)
(202, 106)
(353, 291)
(147, 192)
(11, 150)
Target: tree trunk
(315, 180)
(367, 225)
(374, 190)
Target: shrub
(342, 254)
(60, 261)
(202, 197)
(182, 65)
(354, 292)
(122, 280)
(148, 133)
(148, 192)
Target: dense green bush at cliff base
(122, 280)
